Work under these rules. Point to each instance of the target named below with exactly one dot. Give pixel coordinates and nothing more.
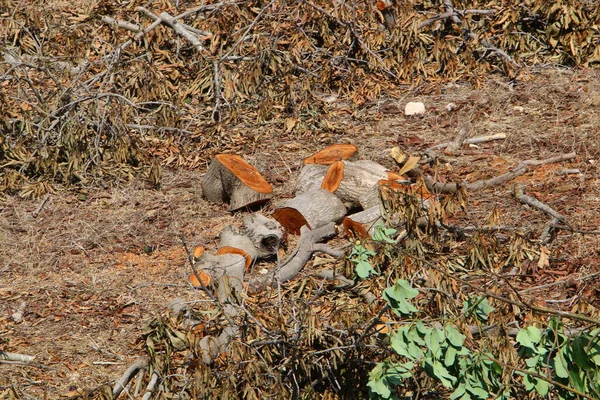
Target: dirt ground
(95, 266)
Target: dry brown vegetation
(120, 148)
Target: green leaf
(455, 338)
(450, 356)
(529, 337)
(579, 354)
(364, 269)
(560, 365)
(383, 234)
(433, 340)
(576, 381)
(440, 372)
(376, 382)
(542, 387)
(459, 392)
(397, 295)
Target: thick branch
(140, 364)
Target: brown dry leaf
(544, 260)
(290, 123)
(409, 165)
(497, 161)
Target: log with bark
(354, 182)
(231, 179)
(314, 209)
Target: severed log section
(231, 179)
(307, 245)
(361, 225)
(260, 237)
(333, 153)
(356, 183)
(313, 209)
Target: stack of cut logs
(330, 184)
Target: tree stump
(231, 179)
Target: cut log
(332, 154)
(358, 187)
(259, 238)
(333, 177)
(310, 178)
(307, 245)
(313, 209)
(235, 250)
(231, 179)
(361, 225)
(217, 266)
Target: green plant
(555, 361)
(362, 254)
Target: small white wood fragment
(414, 108)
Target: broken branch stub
(314, 209)
(231, 179)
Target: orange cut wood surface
(354, 230)
(204, 279)
(331, 154)
(235, 250)
(333, 177)
(245, 172)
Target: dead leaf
(409, 165)
(398, 155)
(290, 123)
(544, 261)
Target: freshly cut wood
(362, 224)
(204, 281)
(231, 179)
(198, 251)
(259, 238)
(358, 187)
(333, 177)
(235, 250)
(332, 154)
(217, 266)
(313, 209)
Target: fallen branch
(150, 387)
(452, 188)
(551, 160)
(178, 27)
(21, 358)
(463, 132)
(519, 194)
(41, 206)
(140, 364)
